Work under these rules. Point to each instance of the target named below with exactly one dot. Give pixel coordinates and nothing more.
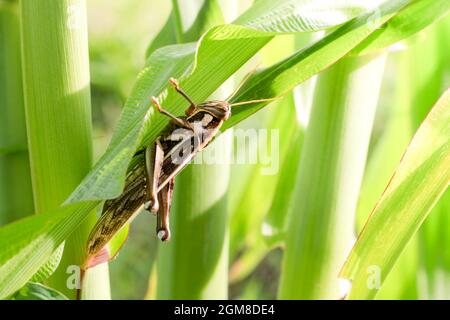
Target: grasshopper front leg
(193, 106)
(165, 200)
(154, 158)
(179, 121)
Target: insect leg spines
(154, 158)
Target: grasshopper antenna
(243, 81)
(254, 101)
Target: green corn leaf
(308, 15)
(416, 17)
(278, 79)
(29, 243)
(420, 179)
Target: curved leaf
(421, 178)
(288, 16)
(28, 243)
(417, 16)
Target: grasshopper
(150, 181)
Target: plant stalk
(58, 113)
(16, 196)
(321, 225)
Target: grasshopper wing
(116, 214)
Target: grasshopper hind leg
(165, 199)
(154, 157)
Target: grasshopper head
(218, 109)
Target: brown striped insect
(150, 181)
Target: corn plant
(362, 139)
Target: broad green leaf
(417, 16)
(220, 52)
(420, 179)
(415, 88)
(28, 243)
(311, 15)
(37, 291)
(282, 77)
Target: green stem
(321, 225)
(16, 197)
(58, 113)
